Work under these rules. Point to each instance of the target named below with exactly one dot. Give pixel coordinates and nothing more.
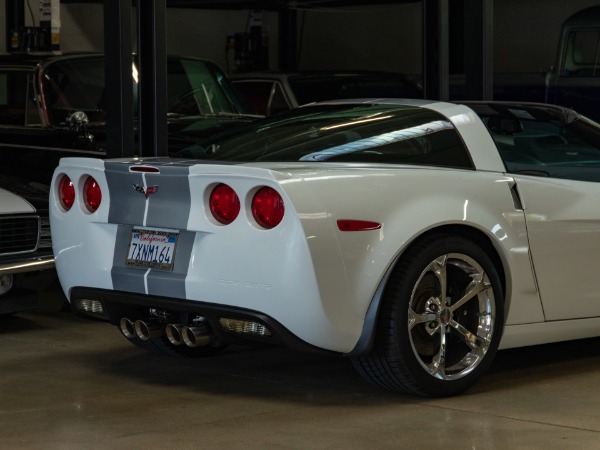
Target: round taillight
(92, 194)
(224, 204)
(66, 192)
(267, 207)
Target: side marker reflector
(357, 225)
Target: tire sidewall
(399, 295)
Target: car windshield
(194, 88)
(316, 88)
(341, 133)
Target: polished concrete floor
(68, 383)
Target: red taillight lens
(267, 207)
(224, 204)
(66, 192)
(92, 194)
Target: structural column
(118, 82)
(435, 49)
(288, 39)
(479, 49)
(150, 81)
(153, 78)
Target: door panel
(563, 223)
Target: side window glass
(548, 148)
(278, 100)
(257, 93)
(13, 94)
(581, 56)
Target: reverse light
(243, 326)
(267, 207)
(224, 204)
(92, 308)
(66, 192)
(92, 194)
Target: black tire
(162, 345)
(411, 359)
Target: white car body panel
(320, 282)
(74, 255)
(469, 125)
(563, 220)
(325, 298)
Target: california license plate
(152, 249)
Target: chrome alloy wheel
(451, 316)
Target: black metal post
(14, 19)
(479, 51)
(118, 82)
(435, 49)
(153, 138)
(288, 39)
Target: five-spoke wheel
(440, 319)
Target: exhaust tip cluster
(177, 334)
(197, 334)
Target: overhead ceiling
(264, 4)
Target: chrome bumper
(28, 264)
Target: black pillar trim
(14, 19)
(435, 49)
(479, 49)
(152, 57)
(288, 39)
(118, 85)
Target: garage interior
(66, 382)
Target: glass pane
(351, 133)
(13, 95)
(545, 142)
(256, 93)
(278, 102)
(582, 54)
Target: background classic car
(39, 93)
(26, 259)
(273, 92)
(415, 237)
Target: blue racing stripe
(154, 200)
(170, 205)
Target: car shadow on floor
(279, 373)
(284, 373)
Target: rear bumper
(119, 304)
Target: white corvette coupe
(414, 237)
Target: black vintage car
(40, 94)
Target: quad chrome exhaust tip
(196, 336)
(143, 329)
(173, 331)
(127, 327)
(149, 329)
(177, 334)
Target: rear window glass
(342, 133)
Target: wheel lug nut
(432, 325)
